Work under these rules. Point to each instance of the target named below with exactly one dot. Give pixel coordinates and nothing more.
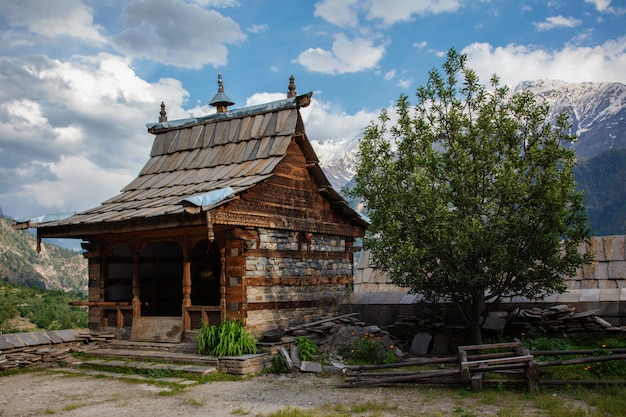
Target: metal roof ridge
(288, 103)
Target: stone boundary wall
(599, 286)
(45, 348)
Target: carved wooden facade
(231, 217)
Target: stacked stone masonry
(599, 286)
(301, 277)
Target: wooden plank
(406, 378)
(497, 361)
(322, 321)
(491, 346)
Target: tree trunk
(476, 310)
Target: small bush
(230, 338)
(607, 369)
(306, 348)
(369, 349)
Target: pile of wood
(324, 332)
(329, 334)
(559, 318)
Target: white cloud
(217, 3)
(258, 28)
(403, 10)
(601, 5)
(557, 21)
(180, 34)
(345, 56)
(516, 63)
(389, 75)
(604, 6)
(262, 98)
(419, 45)
(404, 82)
(54, 18)
(84, 118)
(76, 183)
(341, 13)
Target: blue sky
(80, 79)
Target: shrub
(368, 349)
(230, 338)
(306, 348)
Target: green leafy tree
(470, 194)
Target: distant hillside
(603, 180)
(54, 268)
(27, 309)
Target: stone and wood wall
(600, 286)
(293, 278)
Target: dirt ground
(53, 393)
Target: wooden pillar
(99, 292)
(222, 284)
(104, 276)
(136, 286)
(186, 289)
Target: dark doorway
(205, 274)
(119, 276)
(161, 277)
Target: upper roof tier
(190, 158)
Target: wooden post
(120, 319)
(477, 382)
(222, 284)
(465, 372)
(136, 286)
(186, 289)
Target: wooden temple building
(231, 217)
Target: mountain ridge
(54, 268)
(597, 111)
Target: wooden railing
(197, 315)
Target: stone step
(151, 346)
(133, 377)
(200, 370)
(152, 356)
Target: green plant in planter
(306, 348)
(230, 338)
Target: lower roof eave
(87, 230)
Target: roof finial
(291, 90)
(220, 84)
(163, 114)
(220, 100)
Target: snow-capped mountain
(597, 111)
(338, 159)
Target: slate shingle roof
(191, 157)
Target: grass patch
(239, 411)
(71, 407)
(293, 412)
(370, 408)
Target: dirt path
(47, 393)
